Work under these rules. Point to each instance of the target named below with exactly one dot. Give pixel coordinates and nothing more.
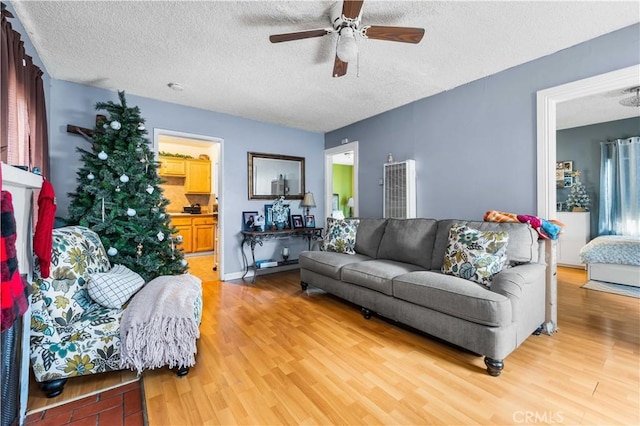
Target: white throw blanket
(159, 326)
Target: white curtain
(620, 188)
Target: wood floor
(270, 353)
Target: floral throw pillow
(341, 235)
(475, 255)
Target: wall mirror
(272, 175)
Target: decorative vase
(280, 226)
(578, 209)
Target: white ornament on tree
(161, 215)
(118, 188)
(124, 178)
(183, 262)
(155, 209)
(141, 126)
(160, 236)
(149, 189)
(131, 212)
(91, 176)
(102, 155)
(115, 125)
(112, 251)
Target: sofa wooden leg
(182, 371)
(304, 285)
(53, 388)
(494, 366)
(366, 313)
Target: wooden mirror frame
(253, 157)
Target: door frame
(328, 175)
(157, 132)
(547, 101)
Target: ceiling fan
(346, 22)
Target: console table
(253, 238)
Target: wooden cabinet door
(184, 226)
(198, 179)
(170, 166)
(203, 234)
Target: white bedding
(618, 249)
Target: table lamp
(351, 203)
(308, 201)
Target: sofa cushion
(454, 296)
(112, 289)
(328, 263)
(376, 274)
(475, 255)
(409, 241)
(341, 235)
(369, 234)
(523, 240)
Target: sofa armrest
(43, 328)
(513, 283)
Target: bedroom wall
(343, 185)
(475, 145)
(582, 146)
(75, 104)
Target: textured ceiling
(220, 51)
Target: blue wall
(475, 145)
(75, 104)
(582, 146)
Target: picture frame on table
(335, 202)
(268, 216)
(297, 221)
(310, 221)
(248, 220)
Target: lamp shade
(351, 202)
(308, 200)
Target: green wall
(343, 185)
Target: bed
(614, 259)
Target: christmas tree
(578, 197)
(119, 198)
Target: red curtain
(23, 117)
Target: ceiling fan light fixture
(347, 47)
(633, 101)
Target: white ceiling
(220, 51)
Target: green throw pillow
(475, 255)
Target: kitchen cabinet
(198, 179)
(183, 225)
(197, 231)
(203, 234)
(172, 166)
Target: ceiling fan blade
(351, 8)
(278, 38)
(403, 34)
(339, 68)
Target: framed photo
(568, 182)
(559, 174)
(297, 221)
(567, 166)
(268, 216)
(249, 220)
(310, 221)
(335, 202)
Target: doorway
(202, 154)
(341, 180)
(547, 101)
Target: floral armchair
(71, 335)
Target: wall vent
(399, 197)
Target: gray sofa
(395, 273)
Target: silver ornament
(112, 251)
(160, 236)
(124, 178)
(115, 125)
(90, 176)
(102, 155)
(131, 212)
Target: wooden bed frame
(614, 273)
